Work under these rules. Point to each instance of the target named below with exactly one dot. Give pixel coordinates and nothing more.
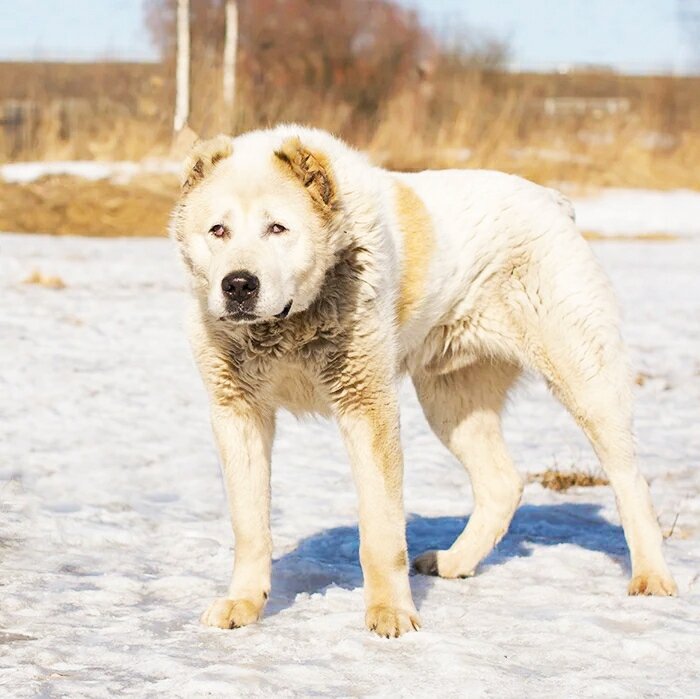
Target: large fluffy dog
(319, 279)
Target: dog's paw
(440, 564)
(652, 584)
(231, 613)
(391, 622)
(426, 563)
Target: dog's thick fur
(460, 278)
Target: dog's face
(253, 228)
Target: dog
(318, 279)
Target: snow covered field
(119, 171)
(114, 534)
(634, 212)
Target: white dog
(319, 279)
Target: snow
(114, 533)
(118, 171)
(633, 212)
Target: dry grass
(657, 237)
(46, 280)
(675, 531)
(554, 479)
(123, 111)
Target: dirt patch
(64, 205)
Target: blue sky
(632, 35)
(73, 30)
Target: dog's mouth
(241, 316)
(285, 311)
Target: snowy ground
(119, 171)
(114, 534)
(634, 212)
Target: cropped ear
(311, 169)
(202, 158)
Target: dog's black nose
(240, 286)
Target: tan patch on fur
(652, 584)
(390, 622)
(387, 448)
(418, 242)
(401, 560)
(362, 390)
(362, 387)
(202, 159)
(312, 170)
(231, 613)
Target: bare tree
(229, 67)
(348, 58)
(353, 51)
(182, 89)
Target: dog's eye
(276, 228)
(218, 231)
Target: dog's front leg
(244, 438)
(369, 423)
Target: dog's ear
(202, 158)
(311, 169)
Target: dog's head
(253, 225)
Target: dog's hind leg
(570, 334)
(587, 370)
(463, 408)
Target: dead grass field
(593, 128)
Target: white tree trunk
(182, 77)
(230, 46)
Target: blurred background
(577, 93)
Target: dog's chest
(297, 390)
(286, 365)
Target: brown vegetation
(46, 280)
(554, 479)
(453, 117)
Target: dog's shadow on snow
(330, 558)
